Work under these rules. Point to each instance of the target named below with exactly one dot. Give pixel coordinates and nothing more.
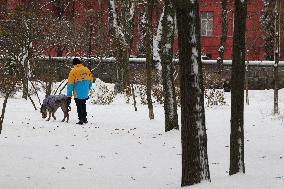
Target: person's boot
(80, 122)
(85, 120)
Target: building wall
(254, 34)
(209, 44)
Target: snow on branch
(114, 22)
(156, 41)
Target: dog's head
(43, 112)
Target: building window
(206, 24)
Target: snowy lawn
(122, 149)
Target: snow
(121, 148)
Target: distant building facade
(210, 23)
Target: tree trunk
(32, 101)
(195, 166)
(48, 88)
(223, 39)
(125, 69)
(3, 9)
(276, 55)
(170, 104)
(268, 24)
(25, 80)
(121, 29)
(246, 83)
(50, 75)
(133, 93)
(149, 55)
(60, 8)
(237, 95)
(3, 110)
(36, 92)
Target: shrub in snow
(141, 90)
(214, 97)
(212, 80)
(9, 79)
(102, 93)
(2, 93)
(158, 94)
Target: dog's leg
(49, 115)
(54, 110)
(53, 115)
(66, 116)
(64, 108)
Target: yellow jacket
(79, 82)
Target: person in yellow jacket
(79, 85)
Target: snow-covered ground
(122, 149)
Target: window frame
(208, 19)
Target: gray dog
(52, 103)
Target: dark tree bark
(276, 54)
(168, 31)
(50, 78)
(246, 83)
(3, 9)
(3, 110)
(25, 73)
(223, 39)
(149, 55)
(60, 8)
(195, 166)
(237, 95)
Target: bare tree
(268, 25)
(121, 29)
(149, 6)
(20, 31)
(195, 166)
(223, 39)
(9, 80)
(237, 95)
(168, 32)
(276, 54)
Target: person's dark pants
(81, 109)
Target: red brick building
(210, 18)
(210, 15)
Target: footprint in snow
(132, 178)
